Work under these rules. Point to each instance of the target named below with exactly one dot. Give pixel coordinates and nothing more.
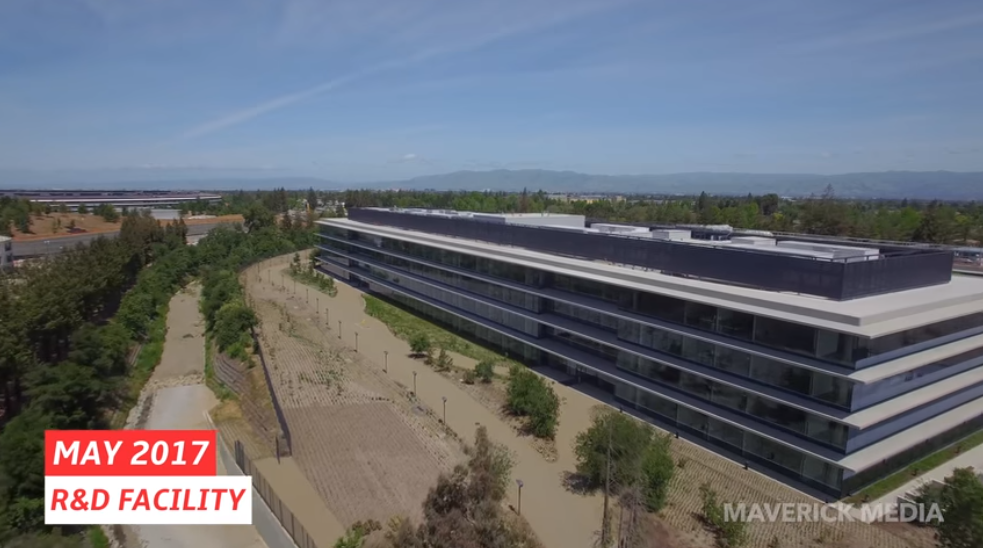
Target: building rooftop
(871, 316)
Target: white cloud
(464, 39)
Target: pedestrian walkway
(970, 459)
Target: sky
(376, 90)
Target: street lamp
(445, 409)
(339, 329)
(414, 383)
(386, 354)
(356, 341)
(519, 504)
(317, 309)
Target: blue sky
(367, 90)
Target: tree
(356, 535)
(464, 509)
(638, 456)
(485, 371)
(961, 502)
(529, 396)
(730, 533)
(258, 217)
(82, 209)
(420, 344)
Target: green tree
(485, 370)
(637, 456)
(529, 396)
(961, 502)
(420, 344)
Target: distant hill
(919, 185)
(944, 185)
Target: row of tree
(900, 220)
(67, 327)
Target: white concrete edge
(263, 507)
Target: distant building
(832, 365)
(119, 199)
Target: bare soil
(366, 449)
(54, 225)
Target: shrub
(469, 377)
(729, 533)
(529, 396)
(485, 370)
(420, 344)
(444, 361)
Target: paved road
(23, 250)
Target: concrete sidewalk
(970, 459)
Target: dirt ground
(56, 224)
(561, 516)
(368, 451)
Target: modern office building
(6, 252)
(119, 199)
(830, 365)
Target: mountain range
(919, 185)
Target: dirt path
(560, 518)
(179, 400)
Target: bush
(729, 533)
(485, 370)
(529, 396)
(640, 456)
(443, 362)
(469, 377)
(420, 345)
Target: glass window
(723, 432)
(785, 335)
(692, 419)
(735, 324)
(698, 351)
(728, 396)
(700, 315)
(659, 306)
(835, 347)
(733, 361)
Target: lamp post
(414, 383)
(308, 290)
(356, 341)
(445, 409)
(519, 503)
(327, 316)
(339, 329)
(317, 309)
(385, 353)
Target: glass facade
(766, 411)
(742, 443)
(393, 260)
(825, 345)
(806, 382)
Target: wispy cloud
(556, 17)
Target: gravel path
(178, 400)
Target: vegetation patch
(529, 396)
(409, 327)
(913, 470)
(307, 274)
